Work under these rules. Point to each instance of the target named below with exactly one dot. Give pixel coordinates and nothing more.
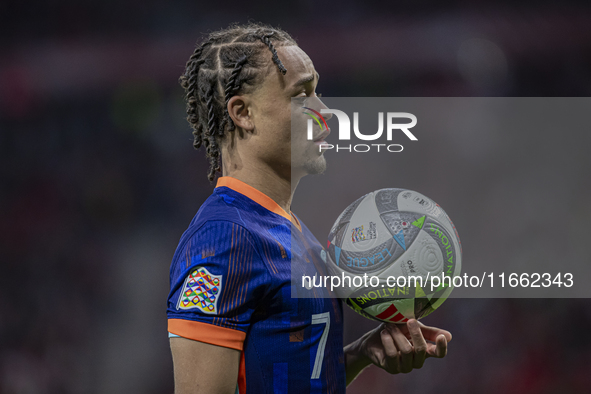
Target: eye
(314, 94)
(305, 94)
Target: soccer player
(233, 324)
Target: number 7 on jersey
(320, 318)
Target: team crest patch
(201, 290)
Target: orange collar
(258, 197)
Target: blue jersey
(231, 286)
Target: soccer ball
(384, 240)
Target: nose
(322, 106)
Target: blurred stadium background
(99, 177)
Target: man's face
(272, 115)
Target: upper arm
(217, 281)
(203, 368)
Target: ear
(238, 110)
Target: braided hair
(229, 62)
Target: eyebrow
(306, 80)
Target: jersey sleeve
(217, 278)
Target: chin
(315, 167)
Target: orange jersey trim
(258, 197)
(208, 333)
(242, 376)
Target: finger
(404, 347)
(439, 349)
(378, 356)
(391, 362)
(418, 342)
(431, 333)
(441, 344)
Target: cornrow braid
(228, 62)
(189, 82)
(213, 151)
(267, 41)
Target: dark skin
(262, 153)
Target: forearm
(355, 358)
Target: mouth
(319, 140)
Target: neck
(278, 187)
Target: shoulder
(219, 243)
(217, 278)
(222, 215)
(230, 227)
(228, 205)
